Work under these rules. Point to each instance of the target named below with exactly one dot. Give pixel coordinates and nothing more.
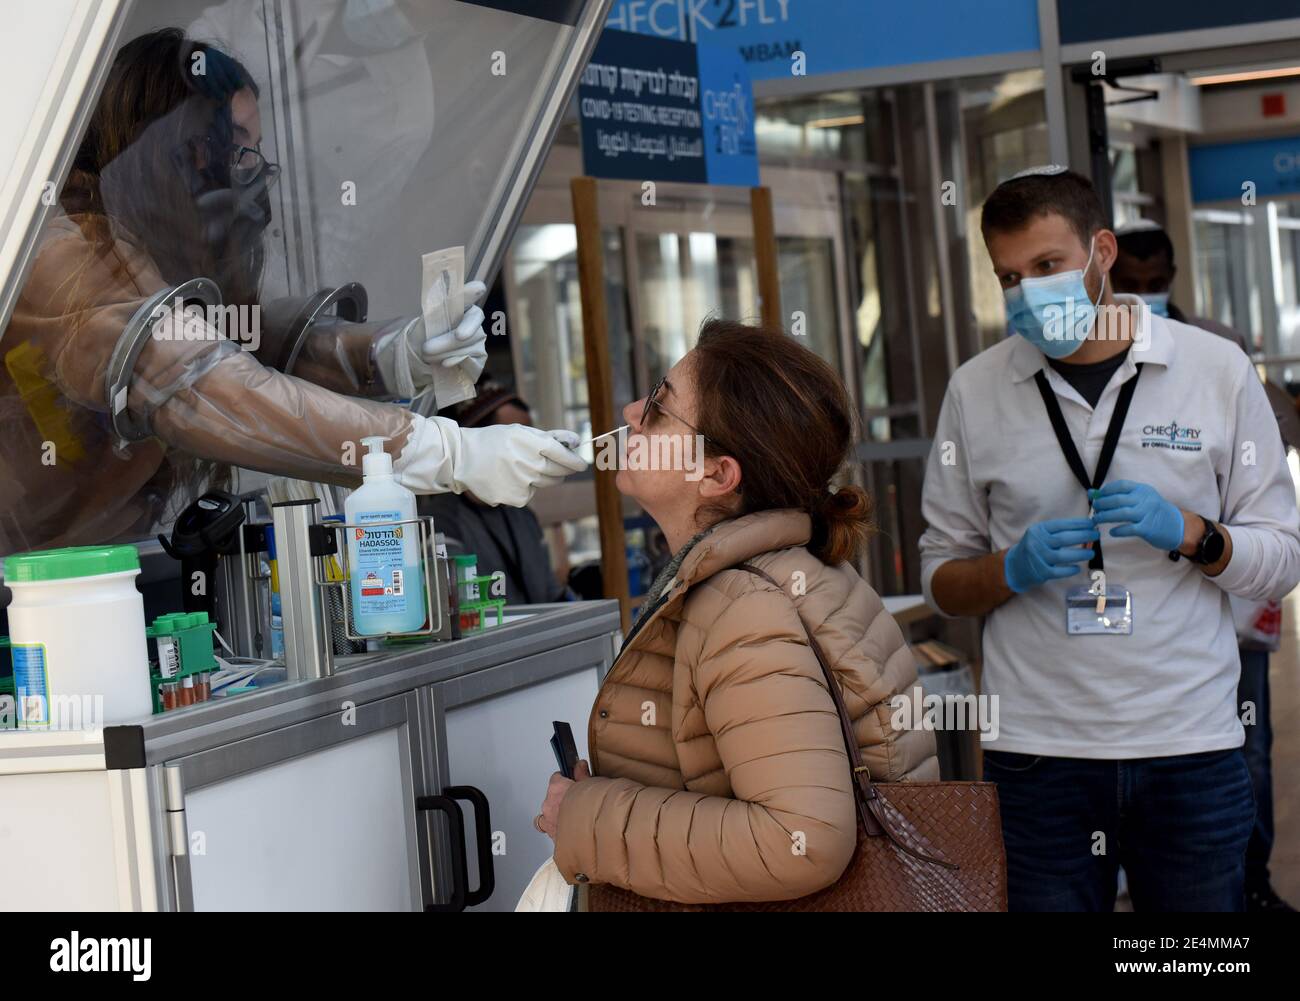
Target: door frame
(807, 205)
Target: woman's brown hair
(784, 415)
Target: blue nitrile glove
(1140, 511)
(1049, 550)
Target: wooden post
(765, 258)
(600, 389)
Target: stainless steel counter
(335, 793)
(371, 676)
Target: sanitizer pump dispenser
(387, 572)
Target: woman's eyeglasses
(652, 403)
(247, 163)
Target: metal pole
(1058, 142)
(765, 257)
(943, 252)
(308, 651)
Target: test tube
(187, 690)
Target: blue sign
(1096, 20)
(1220, 172)
(834, 36)
(659, 110)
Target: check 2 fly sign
(813, 37)
(664, 110)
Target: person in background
(506, 539)
(1119, 739)
(1145, 267)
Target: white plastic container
(76, 630)
(387, 585)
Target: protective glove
(1047, 551)
(406, 357)
(1140, 511)
(501, 464)
(464, 343)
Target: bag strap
(871, 808)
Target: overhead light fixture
(1245, 76)
(836, 123)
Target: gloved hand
(406, 357)
(501, 464)
(1140, 511)
(1047, 551)
(465, 342)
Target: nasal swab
(590, 441)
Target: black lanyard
(1107, 446)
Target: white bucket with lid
(77, 639)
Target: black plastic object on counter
(205, 531)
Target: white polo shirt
(1201, 432)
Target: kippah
(1043, 170)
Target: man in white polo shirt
(1097, 488)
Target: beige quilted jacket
(720, 767)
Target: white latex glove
(407, 357)
(467, 343)
(501, 464)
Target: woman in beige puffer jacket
(718, 769)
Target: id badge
(1099, 610)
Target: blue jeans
(1178, 825)
(1253, 687)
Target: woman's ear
(721, 477)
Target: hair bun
(842, 523)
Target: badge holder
(1096, 610)
(1099, 610)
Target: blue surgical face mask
(1054, 313)
(1158, 301)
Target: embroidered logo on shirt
(1172, 435)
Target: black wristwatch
(1209, 550)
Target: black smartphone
(566, 751)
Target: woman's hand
(548, 821)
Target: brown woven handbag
(922, 846)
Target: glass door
(668, 266)
(1248, 277)
(694, 258)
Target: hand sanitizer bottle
(387, 572)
